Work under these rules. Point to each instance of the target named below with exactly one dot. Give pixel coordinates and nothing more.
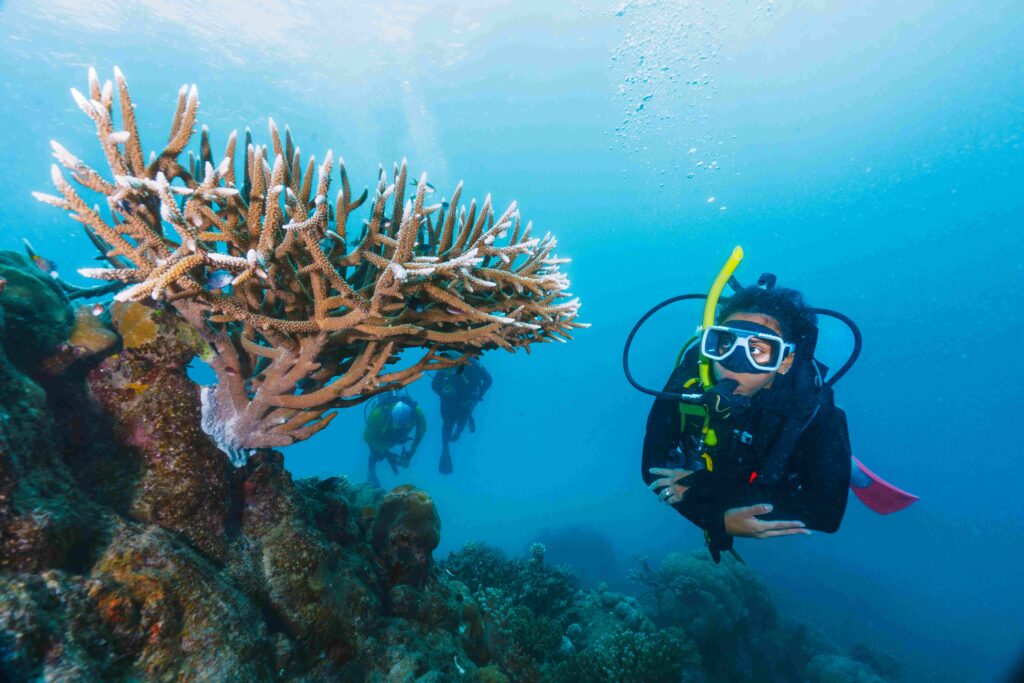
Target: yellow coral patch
(135, 323)
(137, 387)
(90, 333)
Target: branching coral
(304, 316)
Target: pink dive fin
(880, 495)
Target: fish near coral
(43, 264)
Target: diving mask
(762, 349)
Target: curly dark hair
(797, 320)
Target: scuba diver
(745, 440)
(460, 389)
(393, 419)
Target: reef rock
(133, 550)
(405, 533)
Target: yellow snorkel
(704, 364)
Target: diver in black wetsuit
(769, 453)
(460, 389)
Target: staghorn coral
(307, 324)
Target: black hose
(685, 398)
(857, 343)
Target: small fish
(43, 264)
(219, 280)
(3, 283)
(124, 206)
(97, 309)
(430, 188)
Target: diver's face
(750, 383)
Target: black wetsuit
(804, 477)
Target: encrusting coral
(301, 323)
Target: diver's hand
(743, 522)
(672, 491)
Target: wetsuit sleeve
(663, 429)
(421, 429)
(817, 497)
(660, 450)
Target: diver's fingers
(783, 532)
(771, 526)
(660, 483)
(668, 472)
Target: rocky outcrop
(133, 550)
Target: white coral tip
(119, 137)
(49, 199)
(400, 273)
(61, 154)
(80, 100)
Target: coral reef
(300, 322)
(132, 550)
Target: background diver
(460, 389)
(392, 420)
(745, 439)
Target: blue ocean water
(868, 153)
